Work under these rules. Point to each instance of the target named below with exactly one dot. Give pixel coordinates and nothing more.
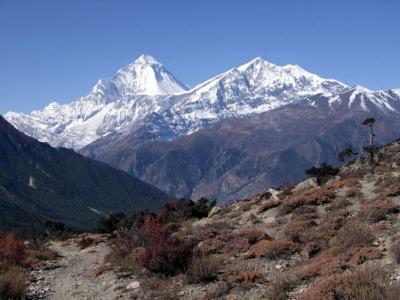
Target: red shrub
(12, 250)
(153, 247)
(275, 249)
(254, 235)
(13, 283)
(160, 252)
(361, 255)
(245, 277)
(315, 196)
(377, 210)
(299, 228)
(365, 282)
(236, 246)
(85, 242)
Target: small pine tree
(323, 173)
(370, 121)
(346, 154)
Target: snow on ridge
(145, 87)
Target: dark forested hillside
(39, 183)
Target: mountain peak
(255, 62)
(146, 76)
(146, 59)
(361, 89)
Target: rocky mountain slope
(339, 240)
(239, 158)
(40, 183)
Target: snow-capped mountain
(145, 94)
(132, 93)
(255, 87)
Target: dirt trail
(72, 276)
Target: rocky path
(72, 276)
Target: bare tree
(370, 121)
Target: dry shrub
(38, 250)
(203, 268)
(353, 173)
(254, 235)
(161, 253)
(314, 197)
(395, 251)
(299, 228)
(345, 182)
(13, 283)
(153, 247)
(245, 278)
(327, 229)
(158, 288)
(353, 234)
(328, 263)
(206, 233)
(361, 255)
(312, 248)
(272, 224)
(280, 285)
(323, 264)
(218, 291)
(306, 210)
(389, 181)
(352, 192)
(213, 246)
(102, 269)
(12, 250)
(34, 256)
(380, 226)
(338, 205)
(126, 263)
(268, 205)
(86, 241)
(367, 282)
(235, 246)
(377, 210)
(232, 243)
(281, 248)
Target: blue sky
(56, 50)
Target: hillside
(339, 240)
(39, 183)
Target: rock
(274, 193)
(250, 218)
(306, 184)
(215, 210)
(122, 275)
(134, 285)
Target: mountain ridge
(123, 101)
(237, 158)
